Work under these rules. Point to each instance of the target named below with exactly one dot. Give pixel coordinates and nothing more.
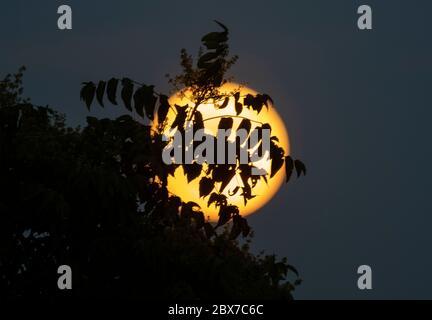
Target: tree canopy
(96, 198)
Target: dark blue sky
(357, 105)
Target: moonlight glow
(179, 185)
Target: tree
(201, 83)
(96, 199)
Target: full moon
(178, 184)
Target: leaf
(87, 93)
(198, 121)
(289, 166)
(236, 228)
(205, 186)
(254, 102)
(163, 108)
(213, 39)
(225, 214)
(233, 192)
(227, 178)
(240, 225)
(248, 100)
(222, 26)
(192, 171)
(180, 119)
(187, 209)
(224, 103)
(265, 99)
(300, 168)
(247, 193)
(223, 173)
(205, 59)
(100, 92)
(245, 124)
(277, 157)
(293, 269)
(244, 227)
(144, 98)
(218, 199)
(111, 90)
(139, 101)
(126, 93)
(267, 126)
(225, 123)
(245, 172)
(238, 108)
(150, 102)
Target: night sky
(357, 105)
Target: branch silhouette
(201, 84)
(96, 197)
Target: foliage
(201, 83)
(96, 199)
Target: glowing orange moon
(179, 185)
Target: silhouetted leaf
(212, 40)
(150, 102)
(255, 102)
(223, 173)
(227, 178)
(266, 98)
(204, 60)
(87, 93)
(205, 186)
(192, 171)
(244, 227)
(233, 192)
(139, 101)
(126, 93)
(112, 89)
(289, 166)
(225, 214)
(245, 124)
(300, 168)
(247, 193)
(180, 119)
(100, 92)
(218, 199)
(238, 108)
(245, 172)
(222, 26)
(144, 98)
(163, 108)
(277, 158)
(248, 100)
(225, 123)
(189, 210)
(224, 103)
(267, 126)
(198, 121)
(236, 228)
(293, 269)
